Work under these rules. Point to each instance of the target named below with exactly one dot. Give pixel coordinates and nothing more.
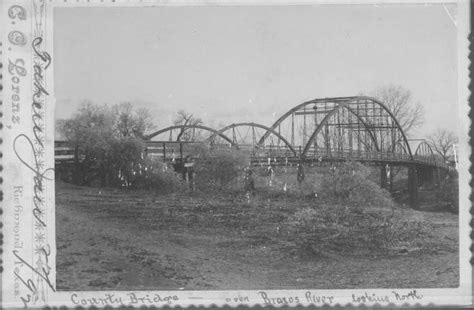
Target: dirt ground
(129, 240)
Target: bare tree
(133, 122)
(442, 141)
(400, 102)
(145, 121)
(186, 119)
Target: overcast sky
(253, 63)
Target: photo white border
(28, 218)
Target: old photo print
(235, 153)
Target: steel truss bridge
(328, 129)
(357, 128)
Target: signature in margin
(42, 272)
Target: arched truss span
(254, 137)
(183, 128)
(342, 124)
(425, 153)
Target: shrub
(343, 228)
(108, 141)
(285, 183)
(448, 192)
(354, 214)
(350, 184)
(125, 159)
(153, 174)
(125, 165)
(218, 169)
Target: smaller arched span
(424, 150)
(211, 130)
(267, 130)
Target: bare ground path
(107, 239)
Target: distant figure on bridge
(249, 184)
(299, 172)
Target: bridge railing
(356, 155)
(428, 159)
(375, 156)
(63, 151)
(274, 151)
(175, 150)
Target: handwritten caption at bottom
(263, 297)
(110, 299)
(393, 297)
(277, 299)
(309, 297)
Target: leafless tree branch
(441, 142)
(400, 102)
(186, 119)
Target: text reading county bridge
(354, 128)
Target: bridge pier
(428, 175)
(383, 177)
(413, 186)
(77, 175)
(386, 177)
(391, 178)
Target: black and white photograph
(236, 154)
(256, 147)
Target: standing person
(299, 173)
(249, 184)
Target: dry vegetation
(337, 229)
